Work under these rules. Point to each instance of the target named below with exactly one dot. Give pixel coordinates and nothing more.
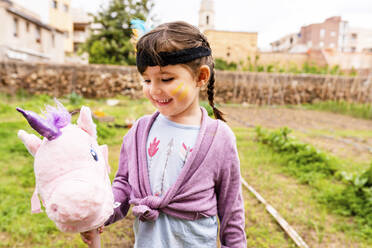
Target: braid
(210, 91)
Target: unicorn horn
(40, 125)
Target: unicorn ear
(31, 141)
(86, 123)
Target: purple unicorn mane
(55, 119)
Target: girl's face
(174, 91)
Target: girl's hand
(87, 236)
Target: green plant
(303, 160)
(112, 43)
(221, 64)
(75, 99)
(355, 199)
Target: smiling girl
(178, 167)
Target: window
(354, 36)
(65, 7)
(321, 44)
(322, 33)
(27, 26)
(207, 20)
(353, 49)
(332, 45)
(333, 33)
(15, 27)
(291, 40)
(38, 35)
(54, 4)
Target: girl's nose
(154, 90)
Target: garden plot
(342, 135)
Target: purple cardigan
(209, 183)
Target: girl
(179, 168)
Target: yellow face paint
(176, 90)
(184, 92)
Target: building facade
(206, 15)
(24, 37)
(332, 34)
(60, 17)
(329, 34)
(286, 43)
(231, 46)
(358, 40)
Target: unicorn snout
(74, 201)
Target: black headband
(172, 58)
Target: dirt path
(321, 129)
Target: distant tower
(206, 15)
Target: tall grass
(358, 110)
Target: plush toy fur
(71, 170)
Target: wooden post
(284, 224)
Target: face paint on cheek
(184, 92)
(177, 89)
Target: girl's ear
(86, 123)
(204, 74)
(31, 141)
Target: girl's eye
(146, 81)
(167, 79)
(94, 154)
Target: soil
(358, 149)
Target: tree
(111, 43)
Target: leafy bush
(223, 65)
(355, 199)
(303, 160)
(350, 197)
(75, 99)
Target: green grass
(357, 110)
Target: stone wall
(270, 88)
(102, 81)
(92, 81)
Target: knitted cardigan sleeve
(229, 198)
(120, 185)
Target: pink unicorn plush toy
(71, 169)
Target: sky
(271, 19)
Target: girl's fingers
(86, 237)
(100, 229)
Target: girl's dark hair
(174, 36)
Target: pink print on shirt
(153, 148)
(184, 152)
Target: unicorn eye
(94, 154)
